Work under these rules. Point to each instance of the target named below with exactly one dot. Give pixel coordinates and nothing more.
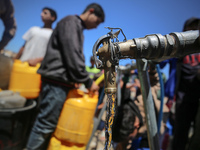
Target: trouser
(186, 109)
(195, 143)
(52, 100)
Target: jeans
(52, 100)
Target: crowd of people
(60, 53)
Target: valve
(109, 58)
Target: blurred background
(136, 18)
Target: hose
(160, 116)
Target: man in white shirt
(34, 49)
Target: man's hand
(94, 88)
(34, 62)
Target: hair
(192, 23)
(123, 123)
(124, 119)
(53, 12)
(98, 10)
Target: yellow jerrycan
(75, 123)
(25, 80)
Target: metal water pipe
(156, 46)
(153, 47)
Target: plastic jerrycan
(25, 80)
(75, 123)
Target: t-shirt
(36, 43)
(189, 71)
(92, 71)
(171, 82)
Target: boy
(37, 39)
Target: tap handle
(98, 62)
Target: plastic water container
(76, 120)
(25, 80)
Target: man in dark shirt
(62, 67)
(187, 94)
(7, 16)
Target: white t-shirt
(36, 43)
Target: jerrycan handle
(99, 80)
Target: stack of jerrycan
(25, 80)
(17, 112)
(75, 123)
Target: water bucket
(76, 120)
(25, 80)
(14, 126)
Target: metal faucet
(108, 59)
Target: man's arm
(9, 23)
(19, 54)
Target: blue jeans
(52, 100)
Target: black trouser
(186, 109)
(194, 142)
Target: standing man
(62, 67)
(37, 38)
(187, 94)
